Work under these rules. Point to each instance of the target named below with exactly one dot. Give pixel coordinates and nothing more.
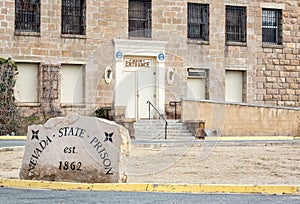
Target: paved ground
(12, 196)
(253, 163)
(11, 143)
(258, 163)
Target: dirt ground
(200, 163)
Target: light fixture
(170, 76)
(108, 75)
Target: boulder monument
(76, 149)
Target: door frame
(146, 49)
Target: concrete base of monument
(76, 149)
(144, 187)
(86, 175)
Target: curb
(143, 187)
(13, 137)
(250, 138)
(210, 138)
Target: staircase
(155, 130)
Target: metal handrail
(160, 116)
(174, 103)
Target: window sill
(196, 41)
(271, 46)
(242, 44)
(23, 33)
(28, 104)
(68, 105)
(139, 38)
(73, 36)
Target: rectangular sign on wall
(134, 64)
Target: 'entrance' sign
(78, 149)
(146, 63)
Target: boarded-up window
(196, 84)
(234, 86)
(72, 86)
(26, 89)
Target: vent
(196, 73)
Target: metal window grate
(198, 21)
(236, 30)
(272, 26)
(197, 73)
(27, 15)
(73, 17)
(139, 18)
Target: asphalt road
(11, 143)
(15, 196)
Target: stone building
(80, 55)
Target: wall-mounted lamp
(170, 76)
(108, 75)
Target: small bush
(102, 113)
(9, 116)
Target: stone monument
(76, 149)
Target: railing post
(166, 130)
(175, 111)
(174, 103)
(149, 109)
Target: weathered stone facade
(272, 73)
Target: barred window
(27, 15)
(73, 17)
(198, 21)
(236, 30)
(139, 17)
(272, 26)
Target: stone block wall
(278, 68)
(272, 73)
(105, 21)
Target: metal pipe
(166, 130)
(149, 109)
(160, 116)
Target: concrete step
(162, 132)
(157, 121)
(158, 130)
(155, 129)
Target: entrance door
(127, 90)
(145, 92)
(138, 88)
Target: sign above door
(135, 64)
(138, 63)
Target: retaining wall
(234, 119)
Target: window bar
(27, 15)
